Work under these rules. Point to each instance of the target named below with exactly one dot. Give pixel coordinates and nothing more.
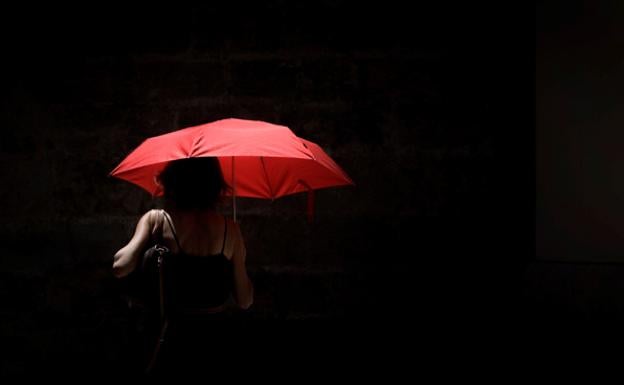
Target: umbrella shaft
(233, 191)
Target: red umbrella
(258, 159)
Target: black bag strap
(159, 344)
(161, 251)
(173, 231)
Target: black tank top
(197, 281)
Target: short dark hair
(193, 183)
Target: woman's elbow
(245, 302)
(120, 266)
(245, 305)
(118, 270)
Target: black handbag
(153, 264)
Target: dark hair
(193, 183)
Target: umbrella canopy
(258, 159)
(227, 138)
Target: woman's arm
(243, 288)
(127, 258)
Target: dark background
(576, 282)
(430, 110)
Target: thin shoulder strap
(224, 233)
(158, 238)
(173, 231)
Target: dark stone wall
(416, 104)
(573, 288)
(578, 78)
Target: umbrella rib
(266, 175)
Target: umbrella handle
(233, 191)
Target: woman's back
(200, 233)
(200, 279)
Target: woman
(207, 261)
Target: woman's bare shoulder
(235, 236)
(153, 216)
(233, 227)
